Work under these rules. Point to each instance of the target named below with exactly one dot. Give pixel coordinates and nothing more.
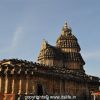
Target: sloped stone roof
(24, 67)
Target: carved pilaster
(6, 84)
(0, 84)
(13, 85)
(20, 86)
(27, 85)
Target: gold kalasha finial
(66, 29)
(65, 25)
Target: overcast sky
(25, 23)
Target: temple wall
(79, 89)
(52, 62)
(28, 85)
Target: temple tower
(66, 53)
(68, 43)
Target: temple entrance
(39, 89)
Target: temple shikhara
(59, 71)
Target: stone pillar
(0, 84)
(20, 86)
(6, 84)
(33, 87)
(13, 85)
(27, 85)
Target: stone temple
(59, 72)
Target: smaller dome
(50, 52)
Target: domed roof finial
(66, 29)
(65, 25)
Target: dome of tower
(67, 39)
